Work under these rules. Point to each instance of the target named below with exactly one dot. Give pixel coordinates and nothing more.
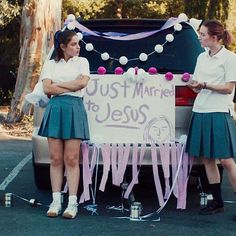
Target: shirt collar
(218, 54)
(75, 58)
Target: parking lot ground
(22, 219)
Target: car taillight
(184, 96)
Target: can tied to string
(135, 210)
(8, 199)
(203, 200)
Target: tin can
(203, 200)
(8, 199)
(135, 210)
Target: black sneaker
(212, 208)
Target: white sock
(56, 197)
(72, 199)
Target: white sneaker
(71, 211)
(54, 209)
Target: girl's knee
(71, 160)
(227, 163)
(56, 160)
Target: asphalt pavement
(22, 219)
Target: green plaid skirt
(65, 118)
(212, 135)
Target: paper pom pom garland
(178, 27)
(143, 57)
(159, 48)
(80, 36)
(89, 47)
(123, 60)
(119, 71)
(70, 26)
(152, 71)
(105, 56)
(182, 17)
(169, 76)
(169, 38)
(135, 74)
(70, 17)
(101, 70)
(186, 77)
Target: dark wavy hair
(214, 27)
(62, 37)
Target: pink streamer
(156, 174)
(86, 173)
(123, 161)
(165, 160)
(135, 162)
(106, 165)
(131, 185)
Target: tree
(39, 20)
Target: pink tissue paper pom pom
(186, 77)
(152, 70)
(136, 70)
(169, 76)
(101, 70)
(119, 71)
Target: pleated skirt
(65, 118)
(212, 135)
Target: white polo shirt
(218, 69)
(63, 71)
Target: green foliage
(8, 12)
(9, 31)
(91, 9)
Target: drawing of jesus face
(158, 130)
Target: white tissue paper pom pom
(195, 23)
(169, 37)
(141, 71)
(131, 71)
(89, 47)
(183, 17)
(143, 57)
(178, 27)
(141, 75)
(159, 48)
(71, 17)
(130, 74)
(123, 60)
(70, 26)
(105, 56)
(80, 36)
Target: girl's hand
(196, 86)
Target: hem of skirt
(64, 138)
(211, 157)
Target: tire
(41, 175)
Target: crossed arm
(226, 88)
(51, 88)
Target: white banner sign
(120, 111)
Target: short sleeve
(47, 69)
(84, 66)
(230, 68)
(196, 70)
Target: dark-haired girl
(212, 133)
(65, 119)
